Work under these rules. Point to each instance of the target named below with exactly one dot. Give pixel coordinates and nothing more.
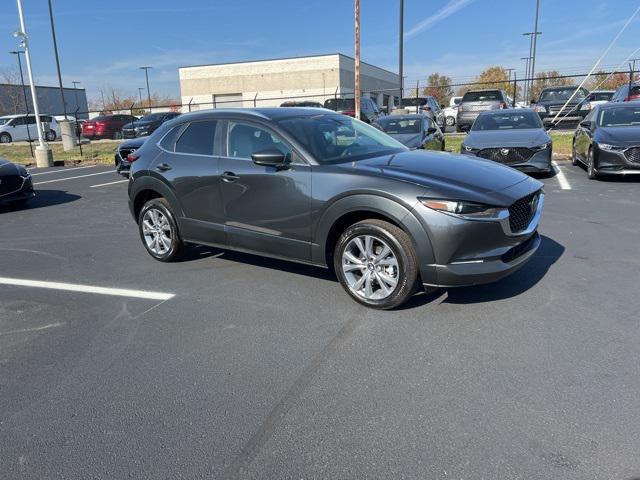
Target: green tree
(544, 80)
(439, 86)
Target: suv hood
(530, 137)
(443, 171)
(7, 168)
(622, 136)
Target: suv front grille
(633, 154)
(506, 155)
(522, 211)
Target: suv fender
(378, 206)
(150, 183)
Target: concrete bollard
(68, 134)
(44, 156)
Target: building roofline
(26, 85)
(285, 58)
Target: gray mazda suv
(325, 189)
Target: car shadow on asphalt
(43, 198)
(519, 282)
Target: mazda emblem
(504, 151)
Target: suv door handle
(230, 177)
(163, 167)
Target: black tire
(592, 173)
(50, 136)
(574, 156)
(402, 248)
(5, 137)
(176, 248)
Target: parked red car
(105, 126)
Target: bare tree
(12, 97)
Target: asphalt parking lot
(227, 365)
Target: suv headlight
(23, 172)
(540, 109)
(467, 149)
(609, 147)
(544, 146)
(464, 209)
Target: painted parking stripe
(562, 180)
(72, 287)
(73, 178)
(62, 170)
(108, 183)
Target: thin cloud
(449, 9)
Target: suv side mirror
(586, 124)
(271, 157)
(431, 130)
(532, 101)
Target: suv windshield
(561, 95)
(490, 95)
(400, 125)
(339, 104)
(334, 138)
(619, 117)
(507, 121)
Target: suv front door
(267, 209)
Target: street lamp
(140, 90)
(526, 79)
(55, 51)
(75, 87)
(17, 53)
(146, 74)
(44, 155)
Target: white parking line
(562, 180)
(72, 287)
(108, 183)
(62, 170)
(72, 178)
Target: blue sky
(103, 42)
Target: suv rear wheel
(159, 231)
(376, 264)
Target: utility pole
(633, 67)
(401, 53)
(140, 90)
(17, 53)
(55, 50)
(525, 92)
(75, 87)
(104, 105)
(535, 38)
(44, 155)
(356, 92)
(146, 74)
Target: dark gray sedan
(413, 131)
(15, 183)
(324, 189)
(514, 137)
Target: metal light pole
(633, 66)
(140, 90)
(356, 91)
(75, 87)
(535, 38)
(44, 155)
(525, 93)
(146, 74)
(17, 53)
(401, 52)
(55, 50)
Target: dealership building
(268, 83)
(12, 100)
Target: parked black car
(607, 141)
(476, 101)
(413, 131)
(302, 103)
(514, 137)
(146, 125)
(326, 190)
(627, 93)
(426, 105)
(123, 151)
(369, 111)
(551, 101)
(15, 183)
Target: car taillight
(132, 157)
(350, 113)
(632, 97)
(503, 105)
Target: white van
(16, 128)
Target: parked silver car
(476, 101)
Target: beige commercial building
(268, 83)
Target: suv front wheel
(376, 264)
(159, 231)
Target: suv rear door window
(197, 138)
(487, 96)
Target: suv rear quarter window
(197, 138)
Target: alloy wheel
(157, 231)
(370, 267)
(450, 121)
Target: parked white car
(17, 128)
(451, 111)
